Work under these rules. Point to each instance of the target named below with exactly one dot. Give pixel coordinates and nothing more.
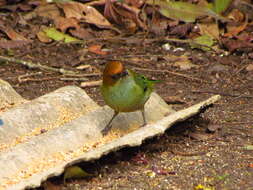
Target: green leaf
(59, 36)
(75, 172)
(183, 11)
(204, 42)
(248, 147)
(221, 5)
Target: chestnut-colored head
(112, 72)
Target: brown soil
(187, 156)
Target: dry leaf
(181, 30)
(48, 10)
(84, 13)
(64, 23)
(237, 45)
(183, 11)
(135, 3)
(182, 61)
(97, 49)
(81, 33)
(123, 14)
(12, 34)
(234, 30)
(210, 29)
(43, 37)
(236, 15)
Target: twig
(32, 65)
(222, 94)
(21, 77)
(91, 83)
(36, 80)
(91, 75)
(74, 79)
(170, 72)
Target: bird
(124, 90)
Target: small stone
(213, 127)
(249, 68)
(166, 46)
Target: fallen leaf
(249, 68)
(123, 14)
(185, 65)
(245, 7)
(48, 10)
(135, 3)
(236, 16)
(59, 36)
(81, 33)
(237, 45)
(183, 61)
(220, 6)
(12, 34)
(97, 49)
(210, 29)
(234, 29)
(43, 37)
(181, 30)
(204, 42)
(63, 24)
(84, 13)
(183, 11)
(159, 25)
(110, 13)
(75, 172)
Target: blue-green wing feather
(143, 81)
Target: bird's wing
(143, 81)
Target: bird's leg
(144, 118)
(109, 126)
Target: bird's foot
(106, 130)
(143, 125)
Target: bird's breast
(124, 96)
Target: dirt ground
(187, 156)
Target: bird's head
(114, 70)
